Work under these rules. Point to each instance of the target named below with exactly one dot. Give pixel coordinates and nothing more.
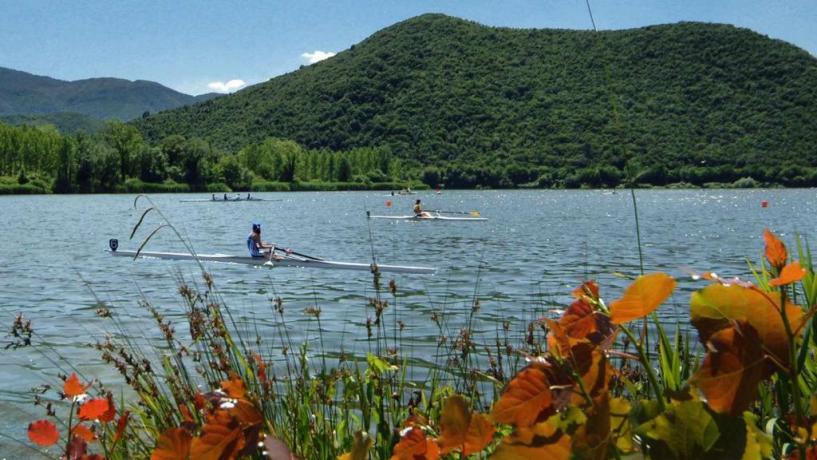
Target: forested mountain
(22, 93)
(496, 106)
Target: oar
(470, 213)
(289, 251)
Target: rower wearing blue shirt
(256, 246)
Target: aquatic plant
(590, 389)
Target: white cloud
(317, 56)
(226, 87)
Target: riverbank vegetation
(600, 379)
(118, 159)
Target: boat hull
(285, 262)
(432, 217)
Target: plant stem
(646, 364)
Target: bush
(218, 187)
(745, 182)
(134, 185)
(269, 186)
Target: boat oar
(289, 251)
(470, 213)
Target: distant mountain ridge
(440, 90)
(22, 93)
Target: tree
(344, 170)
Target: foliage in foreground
(597, 392)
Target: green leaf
(378, 365)
(758, 443)
(685, 431)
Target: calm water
(535, 248)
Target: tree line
(118, 158)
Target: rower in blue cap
(256, 246)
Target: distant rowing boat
(431, 216)
(287, 261)
(222, 200)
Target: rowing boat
(287, 261)
(430, 216)
(222, 200)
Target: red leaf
(76, 448)
(121, 425)
(791, 273)
(93, 409)
(43, 433)
(72, 386)
(109, 414)
(83, 432)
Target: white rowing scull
(429, 216)
(286, 261)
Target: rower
(225, 197)
(418, 210)
(248, 196)
(257, 247)
(213, 197)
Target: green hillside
(495, 106)
(22, 93)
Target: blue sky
(188, 45)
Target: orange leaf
(83, 432)
(480, 434)
(173, 444)
(414, 445)
(454, 420)
(731, 370)
(43, 433)
(791, 273)
(121, 425)
(217, 442)
(541, 441)
(642, 297)
(717, 306)
(360, 448)
(234, 388)
(93, 409)
(775, 250)
(109, 414)
(587, 289)
(525, 397)
(72, 386)
(592, 366)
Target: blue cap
(256, 226)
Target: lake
(534, 249)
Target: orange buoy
(764, 204)
(388, 203)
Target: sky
(200, 46)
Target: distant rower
(418, 210)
